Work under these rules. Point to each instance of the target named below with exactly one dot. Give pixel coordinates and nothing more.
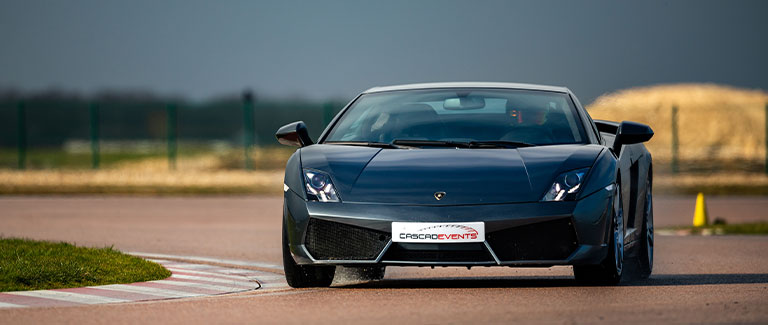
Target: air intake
(328, 240)
(549, 240)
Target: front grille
(549, 240)
(467, 252)
(327, 240)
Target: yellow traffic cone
(700, 217)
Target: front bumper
(521, 234)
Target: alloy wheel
(618, 233)
(649, 223)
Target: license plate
(438, 232)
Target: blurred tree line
(53, 117)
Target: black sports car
(467, 174)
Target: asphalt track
(719, 279)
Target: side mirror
(631, 133)
(294, 134)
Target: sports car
(467, 174)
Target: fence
(141, 126)
(734, 135)
(56, 124)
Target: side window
(594, 128)
(562, 122)
(595, 133)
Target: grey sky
(319, 49)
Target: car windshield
(468, 116)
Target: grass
(35, 265)
(757, 228)
(196, 158)
(211, 172)
(264, 158)
(721, 183)
(54, 158)
(219, 172)
(139, 181)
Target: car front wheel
(645, 258)
(609, 271)
(304, 276)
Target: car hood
(466, 176)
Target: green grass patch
(756, 228)
(35, 265)
(56, 158)
(264, 158)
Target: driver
(527, 121)
(526, 114)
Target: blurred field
(116, 181)
(196, 173)
(222, 173)
(192, 158)
(717, 183)
(720, 127)
(721, 151)
(263, 158)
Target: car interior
(421, 121)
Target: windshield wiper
(431, 143)
(499, 144)
(367, 144)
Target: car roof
(438, 85)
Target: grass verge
(721, 183)
(189, 159)
(140, 182)
(35, 265)
(756, 228)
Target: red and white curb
(188, 279)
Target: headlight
(319, 186)
(566, 186)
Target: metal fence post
(170, 110)
(675, 141)
(93, 110)
(248, 127)
(21, 138)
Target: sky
(336, 49)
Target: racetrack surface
(696, 279)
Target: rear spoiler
(607, 126)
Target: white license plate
(438, 232)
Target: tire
(610, 270)
(304, 276)
(645, 256)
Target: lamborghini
(467, 174)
